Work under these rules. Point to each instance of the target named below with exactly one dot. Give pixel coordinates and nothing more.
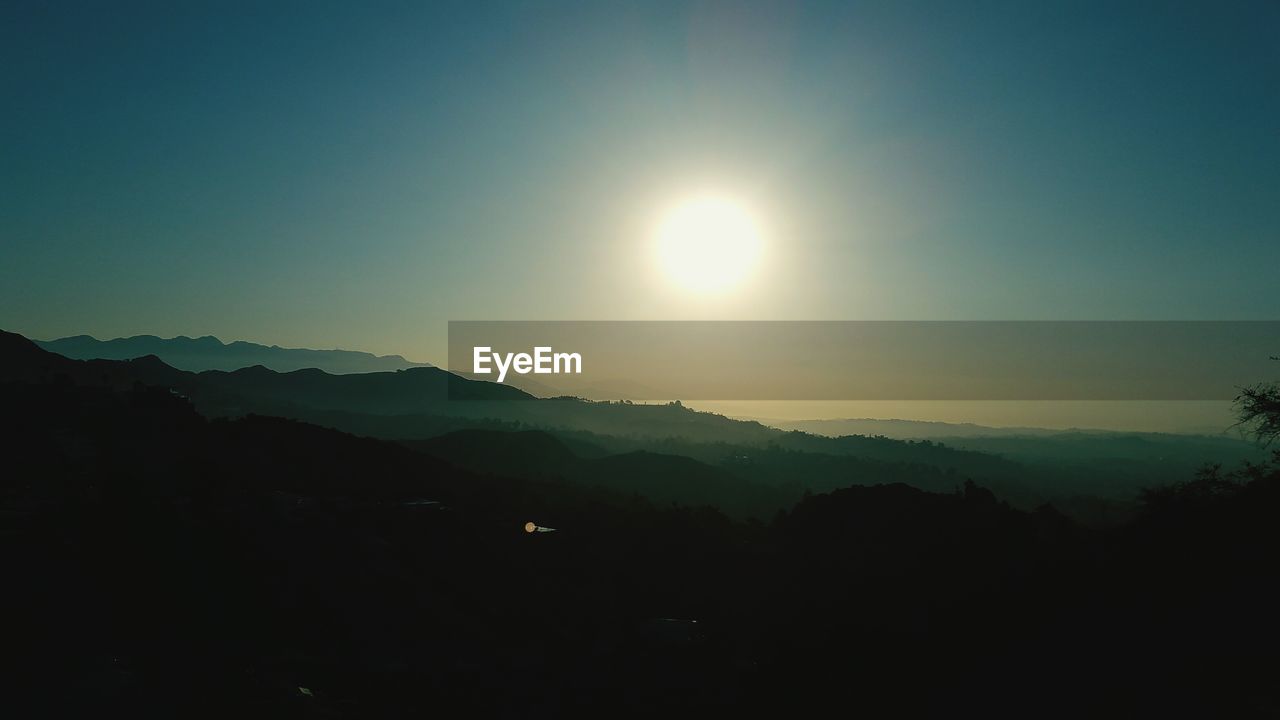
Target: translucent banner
(863, 360)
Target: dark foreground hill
(662, 479)
(158, 563)
(210, 353)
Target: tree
(1258, 408)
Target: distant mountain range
(210, 353)
(967, 434)
(903, 429)
(615, 443)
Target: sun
(708, 244)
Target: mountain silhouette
(663, 479)
(210, 353)
(529, 452)
(1094, 478)
(407, 390)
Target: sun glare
(708, 244)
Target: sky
(355, 175)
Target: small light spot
(530, 527)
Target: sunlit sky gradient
(356, 174)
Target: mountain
(1094, 462)
(900, 429)
(1085, 476)
(671, 452)
(210, 353)
(257, 388)
(529, 452)
(663, 479)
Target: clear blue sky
(356, 174)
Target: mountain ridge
(419, 403)
(208, 352)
